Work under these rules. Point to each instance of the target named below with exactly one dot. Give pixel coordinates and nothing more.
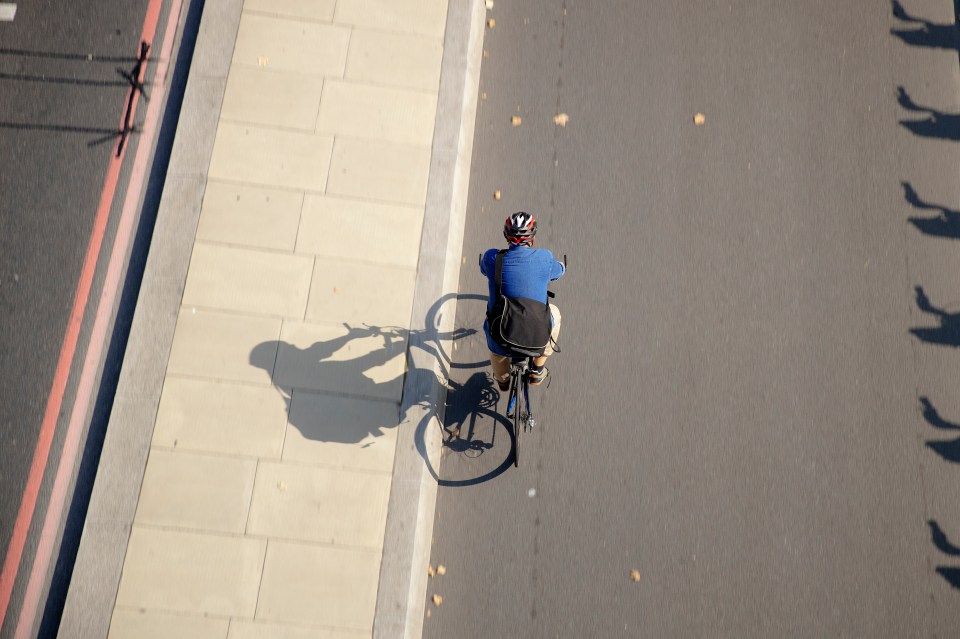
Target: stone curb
(113, 503)
(413, 491)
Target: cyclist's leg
(539, 362)
(501, 369)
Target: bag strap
(498, 272)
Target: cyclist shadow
(344, 389)
(352, 385)
(948, 333)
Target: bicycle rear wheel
(515, 396)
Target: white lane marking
(7, 11)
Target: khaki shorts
(501, 363)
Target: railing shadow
(346, 388)
(946, 224)
(924, 33)
(948, 449)
(937, 124)
(948, 333)
(950, 573)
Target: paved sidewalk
(264, 501)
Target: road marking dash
(7, 11)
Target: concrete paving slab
(379, 171)
(196, 491)
(213, 416)
(273, 98)
(253, 216)
(425, 17)
(341, 432)
(130, 623)
(402, 116)
(336, 359)
(390, 233)
(219, 345)
(260, 630)
(285, 44)
(317, 504)
(271, 157)
(360, 293)
(309, 9)
(248, 280)
(394, 59)
(191, 572)
(318, 584)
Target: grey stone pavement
(264, 472)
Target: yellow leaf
(634, 575)
(496, 195)
(430, 571)
(437, 600)
(561, 119)
(491, 23)
(516, 120)
(441, 569)
(699, 119)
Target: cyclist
(526, 273)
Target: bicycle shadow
(347, 385)
(948, 333)
(924, 33)
(947, 224)
(937, 124)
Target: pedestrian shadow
(357, 383)
(946, 224)
(950, 573)
(936, 124)
(924, 33)
(948, 333)
(948, 449)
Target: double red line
(41, 453)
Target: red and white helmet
(520, 228)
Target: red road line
(68, 348)
(68, 458)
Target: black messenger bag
(520, 325)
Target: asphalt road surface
(756, 404)
(62, 98)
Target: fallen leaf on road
(634, 575)
(437, 600)
(699, 119)
(441, 569)
(262, 61)
(489, 4)
(561, 119)
(429, 612)
(516, 120)
(430, 571)
(491, 23)
(496, 195)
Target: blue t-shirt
(526, 273)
